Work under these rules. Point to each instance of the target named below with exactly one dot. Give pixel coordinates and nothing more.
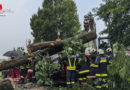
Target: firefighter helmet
(109, 50)
(100, 51)
(87, 51)
(93, 50)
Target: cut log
(13, 63)
(51, 47)
(86, 37)
(7, 84)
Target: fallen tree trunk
(86, 37)
(13, 63)
(46, 48)
(7, 84)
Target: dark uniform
(101, 71)
(93, 67)
(83, 70)
(23, 71)
(71, 70)
(109, 56)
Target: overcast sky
(15, 27)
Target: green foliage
(44, 69)
(76, 86)
(77, 48)
(119, 71)
(54, 16)
(116, 14)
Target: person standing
(71, 62)
(102, 62)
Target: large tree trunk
(46, 48)
(13, 63)
(7, 84)
(86, 37)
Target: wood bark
(7, 84)
(46, 48)
(86, 37)
(13, 63)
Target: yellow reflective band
(68, 83)
(79, 61)
(71, 67)
(80, 78)
(69, 62)
(74, 61)
(93, 65)
(85, 71)
(102, 61)
(104, 75)
(22, 77)
(84, 78)
(72, 82)
(98, 86)
(28, 66)
(21, 67)
(98, 75)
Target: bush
(44, 68)
(119, 77)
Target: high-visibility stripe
(69, 62)
(72, 82)
(21, 67)
(93, 65)
(71, 67)
(104, 75)
(80, 78)
(98, 75)
(79, 61)
(68, 82)
(84, 78)
(98, 86)
(85, 71)
(22, 76)
(102, 61)
(74, 61)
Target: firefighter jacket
(102, 63)
(93, 58)
(109, 56)
(84, 67)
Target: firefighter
(15, 73)
(71, 62)
(101, 61)
(23, 72)
(83, 68)
(92, 62)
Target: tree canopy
(55, 15)
(116, 14)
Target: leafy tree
(56, 15)
(119, 78)
(116, 14)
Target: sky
(15, 25)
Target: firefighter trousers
(70, 78)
